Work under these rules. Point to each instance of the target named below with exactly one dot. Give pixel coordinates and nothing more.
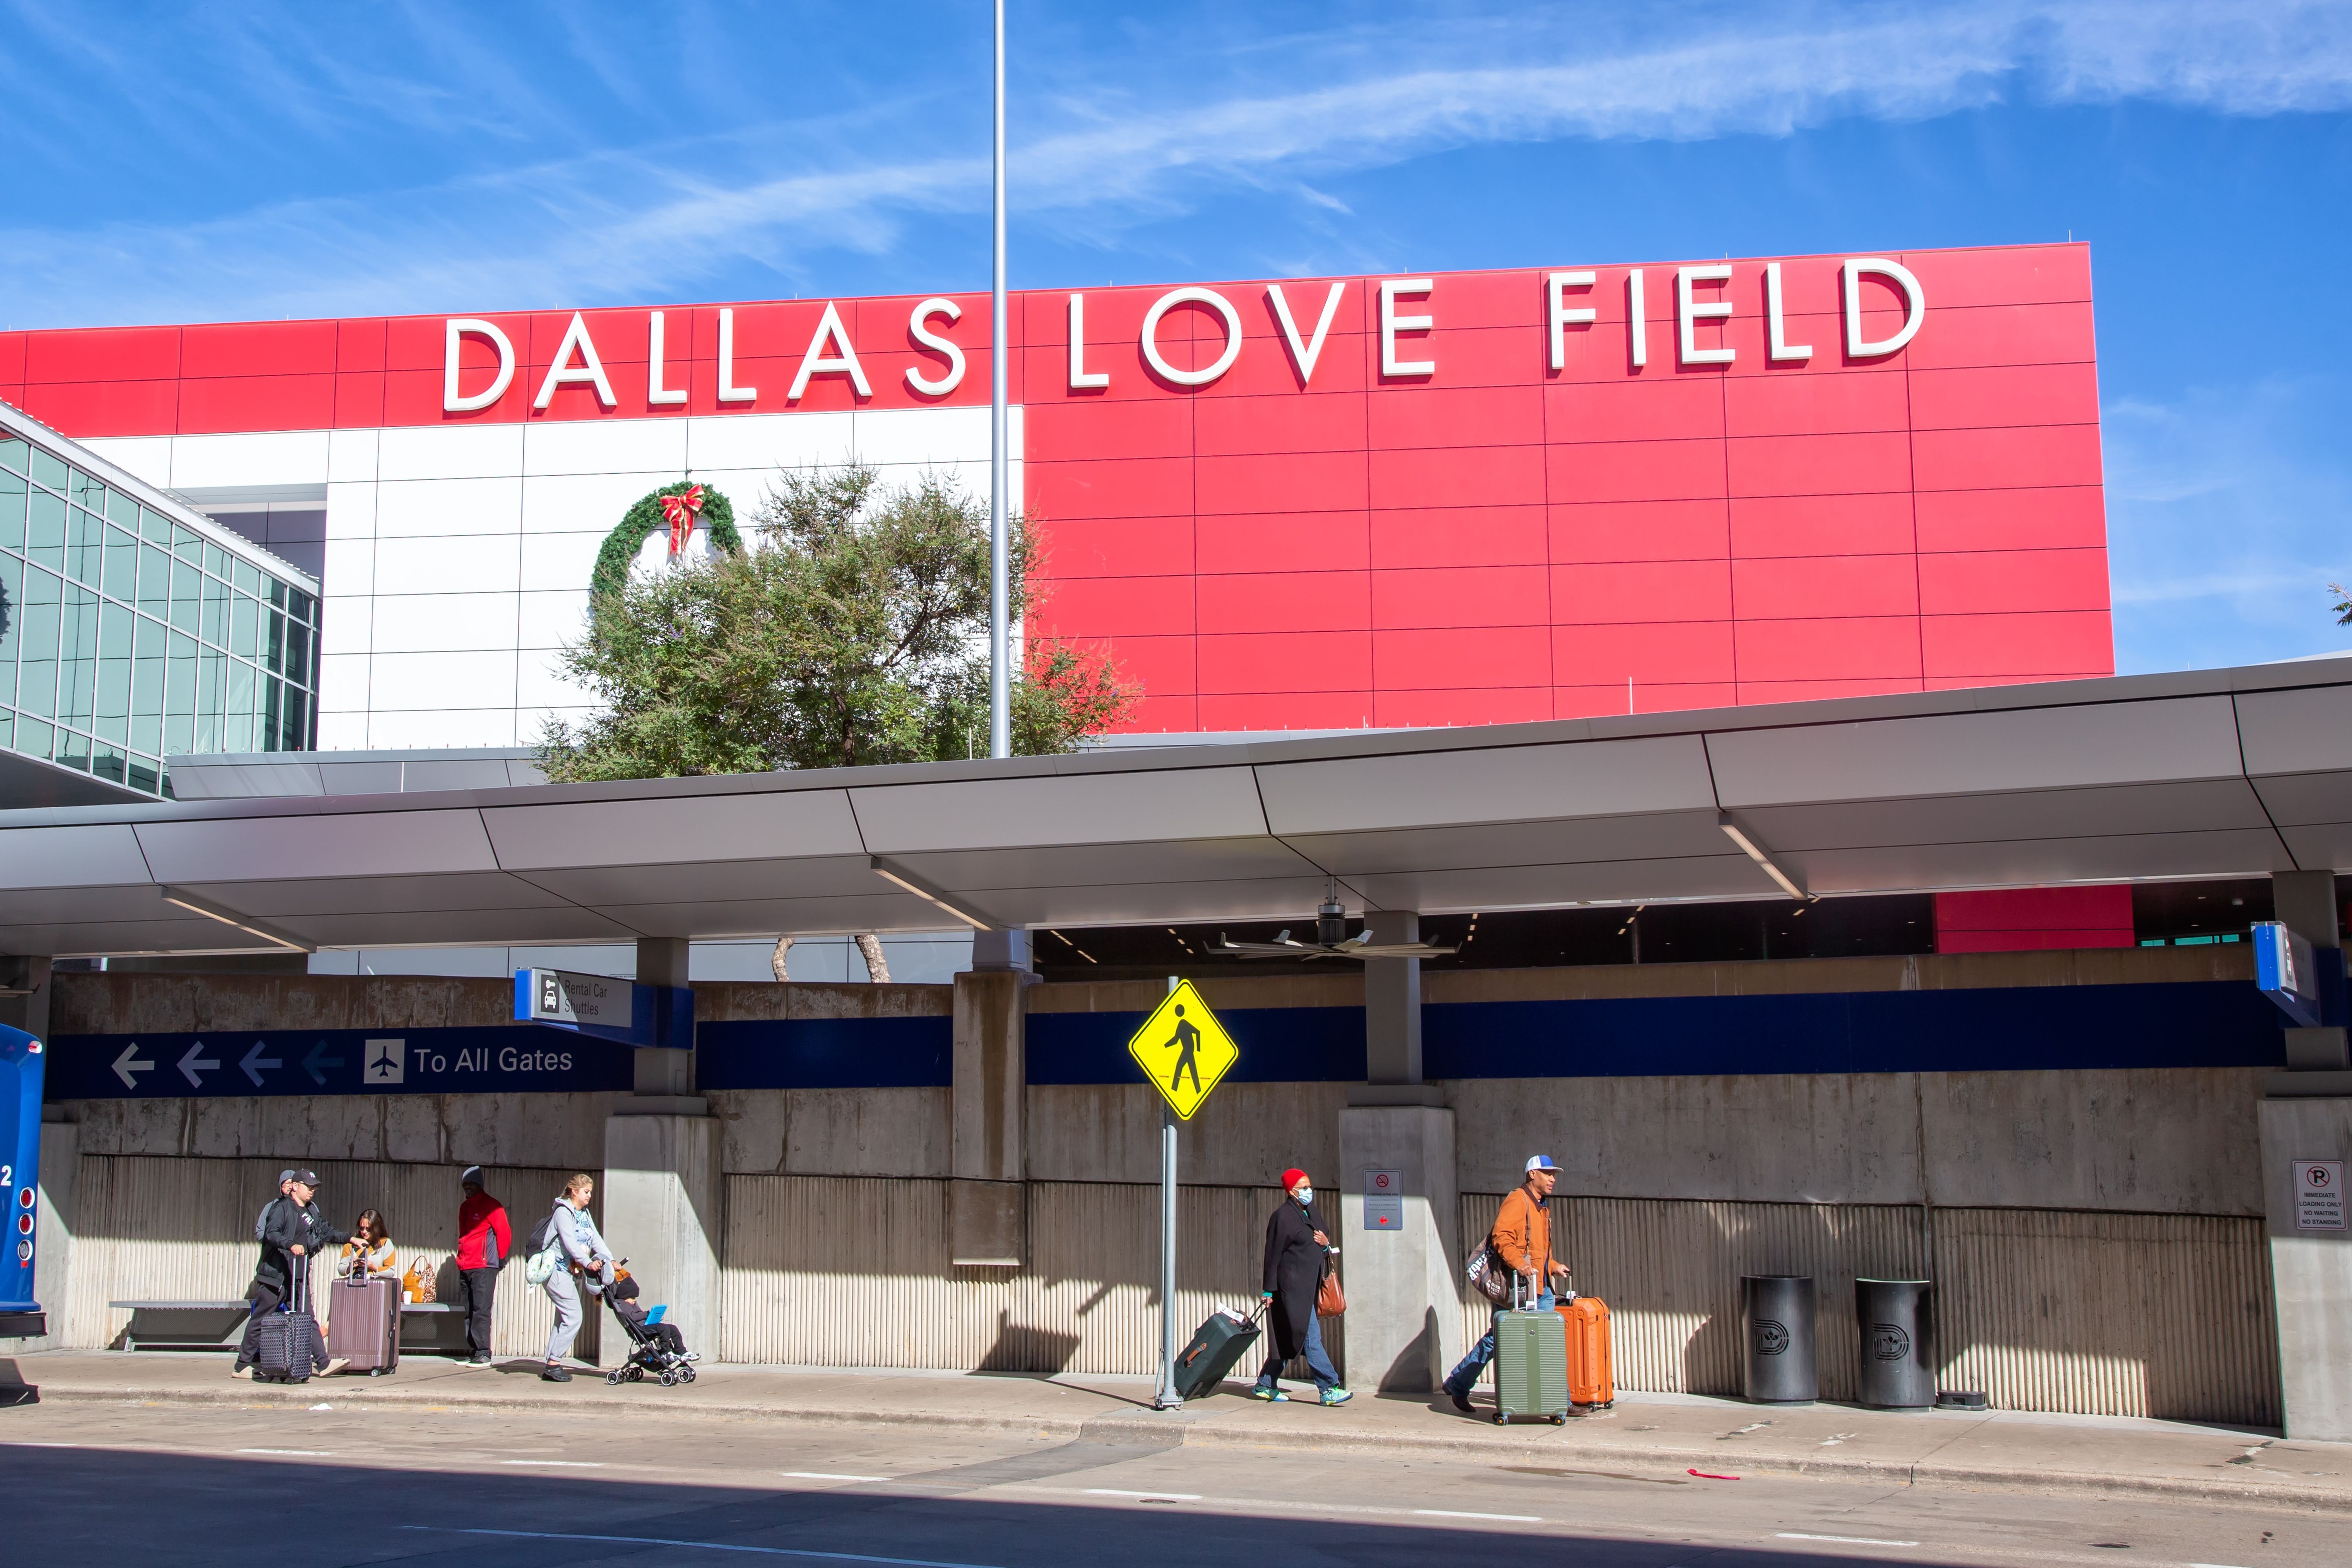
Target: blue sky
(254, 161)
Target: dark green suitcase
(1530, 1365)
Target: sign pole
(1167, 1397)
(1000, 520)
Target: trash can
(1777, 1355)
(1897, 1363)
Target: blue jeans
(1317, 1361)
(1462, 1377)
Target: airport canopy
(2208, 773)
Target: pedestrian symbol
(1184, 1051)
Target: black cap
(308, 1178)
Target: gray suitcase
(1530, 1363)
(287, 1346)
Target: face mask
(1305, 1196)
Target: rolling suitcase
(1216, 1345)
(1591, 1375)
(1530, 1363)
(364, 1324)
(286, 1346)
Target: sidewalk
(2008, 1451)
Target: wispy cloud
(655, 217)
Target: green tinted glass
(83, 490)
(273, 700)
(210, 668)
(187, 544)
(85, 541)
(238, 723)
(298, 653)
(147, 687)
(186, 583)
(246, 575)
(49, 471)
(273, 639)
(145, 774)
(180, 697)
(106, 761)
(13, 453)
(114, 660)
(12, 510)
(216, 559)
(155, 528)
(78, 658)
(154, 581)
(12, 600)
(121, 576)
(214, 629)
(44, 531)
(36, 644)
(244, 618)
(122, 509)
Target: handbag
(1488, 1274)
(1330, 1299)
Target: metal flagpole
(1167, 1398)
(1000, 662)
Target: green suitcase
(1530, 1365)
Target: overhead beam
(213, 909)
(1756, 852)
(953, 903)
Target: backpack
(261, 1220)
(540, 1250)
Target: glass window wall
(126, 636)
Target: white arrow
(254, 1062)
(129, 1062)
(195, 1062)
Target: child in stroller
(660, 1349)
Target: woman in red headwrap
(1297, 1243)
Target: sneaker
(551, 1373)
(476, 1363)
(1270, 1395)
(1461, 1401)
(1337, 1396)
(243, 1372)
(334, 1366)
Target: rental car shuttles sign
(1184, 1051)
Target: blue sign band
(493, 1059)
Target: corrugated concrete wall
(182, 1230)
(2094, 1314)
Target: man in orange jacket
(1522, 1239)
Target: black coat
(286, 1226)
(1294, 1268)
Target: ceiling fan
(1331, 939)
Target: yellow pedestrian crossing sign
(1184, 1051)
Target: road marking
(291, 1453)
(699, 1545)
(827, 1475)
(1454, 1513)
(1156, 1497)
(1848, 1540)
(564, 1464)
(2212, 1565)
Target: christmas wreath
(673, 506)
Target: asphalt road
(91, 1486)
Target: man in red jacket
(485, 1242)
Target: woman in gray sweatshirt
(586, 1256)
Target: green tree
(853, 632)
(2342, 604)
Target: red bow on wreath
(678, 511)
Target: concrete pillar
(1393, 1001)
(2311, 1270)
(989, 1112)
(55, 1222)
(29, 1009)
(664, 1072)
(661, 1200)
(2305, 903)
(1404, 1317)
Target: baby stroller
(657, 1347)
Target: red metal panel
(1127, 486)
(359, 401)
(2024, 919)
(1601, 594)
(1813, 405)
(1636, 470)
(1641, 531)
(1262, 663)
(2002, 335)
(1306, 481)
(1286, 602)
(1458, 417)
(2075, 517)
(231, 402)
(1284, 422)
(2013, 580)
(1431, 659)
(1490, 476)
(105, 407)
(1459, 536)
(1996, 459)
(1809, 587)
(1122, 607)
(1848, 647)
(1279, 542)
(1301, 709)
(1167, 715)
(257, 349)
(1393, 709)
(359, 344)
(1619, 408)
(1819, 465)
(1672, 652)
(1115, 546)
(1056, 431)
(1756, 691)
(1823, 525)
(2003, 275)
(1462, 597)
(2037, 646)
(12, 359)
(1163, 665)
(2005, 395)
(103, 354)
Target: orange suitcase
(1592, 1378)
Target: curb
(1205, 1433)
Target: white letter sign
(562, 371)
(1391, 324)
(452, 402)
(1688, 315)
(655, 390)
(918, 328)
(1637, 318)
(1559, 316)
(1169, 302)
(829, 330)
(728, 391)
(1914, 305)
(1081, 379)
(1777, 334)
(1304, 355)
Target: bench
(426, 1328)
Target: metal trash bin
(1898, 1370)
(1778, 1360)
